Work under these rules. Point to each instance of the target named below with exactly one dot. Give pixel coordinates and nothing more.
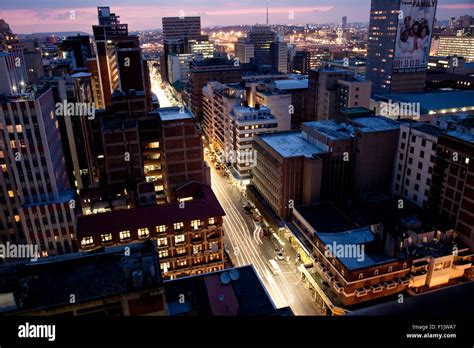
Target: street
(164, 96)
(246, 245)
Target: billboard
(415, 27)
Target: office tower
(182, 155)
(189, 234)
(201, 72)
(13, 78)
(452, 190)
(261, 36)
(10, 43)
(177, 33)
(181, 27)
(301, 62)
(77, 49)
(399, 41)
(325, 160)
(120, 65)
(279, 53)
(462, 46)
(32, 55)
(244, 51)
(344, 23)
(40, 206)
(202, 48)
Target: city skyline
(46, 16)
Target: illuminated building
(188, 233)
(462, 46)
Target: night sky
(53, 15)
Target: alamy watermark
(350, 251)
(394, 109)
(240, 156)
(75, 109)
(19, 251)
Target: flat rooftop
(332, 129)
(463, 136)
(230, 292)
(325, 217)
(291, 84)
(173, 114)
(290, 144)
(376, 124)
(435, 100)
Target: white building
(414, 162)
(178, 67)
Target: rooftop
(332, 129)
(291, 84)
(324, 217)
(204, 205)
(433, 100)
(290, 144)
(49, 282)
(236, 291)
(174, 113)
(463, 136)
(376, 124)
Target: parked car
(279, 255)
(247, 209)
(217, 166)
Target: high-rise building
(344, 23)
(181, 27)
(399, 42)
(262, 36)
(462, 46)
(40, 206)
(182, 154)
(244, 51)
(452, 190)
(77, 49)
(414, 162)
(279, 52)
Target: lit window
(87, 241)
(10, 129)
(163, 253)
(106, 237)
(179, 239)
(161, 228)
(182, 263)
(197, 249)
(165, 266)
(181, 251)
(214, 246)
(4, 168)
(178, 226)
(10, 194)
(2, 155)
(195, 224)
(17, 218)
(154, 145)
(143, 232)
(124, 235)
(19, 129)
(212, 221)
(162, 241)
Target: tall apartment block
(182, 154)
(414, 162)
(399, 42)
(218, 102)
(452, 189)
(189, 235)
(40, 207)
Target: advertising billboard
(415, 27)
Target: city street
(165, 98)
(246, 245)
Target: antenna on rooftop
(267, 11)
